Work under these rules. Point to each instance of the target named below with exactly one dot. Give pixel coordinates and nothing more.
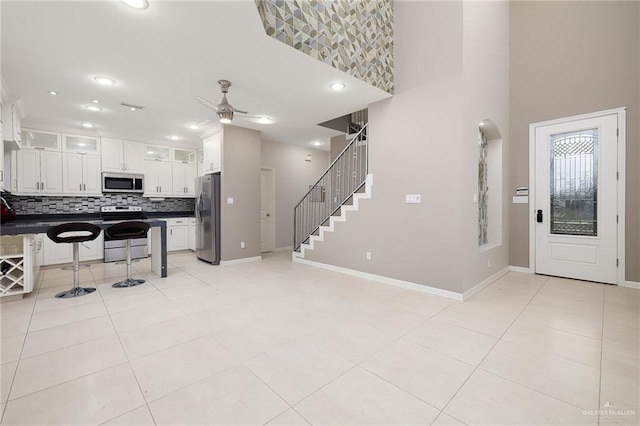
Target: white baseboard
(631, 284)
(238, 261)
(520, 269)
(484, 283)
(381, 279)
(286, 248)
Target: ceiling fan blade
(205, 122)
(205, 103)
(257, 119)
(239, 111)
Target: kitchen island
(158, 233)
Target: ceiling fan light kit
(226, 111)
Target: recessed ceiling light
(174, 138)
(81, 144)
(150, 152)
(53, 92)
(316, 143)
(95, 101)
(136, 4)
(105, 81)
(193, 126)
(87, 125)
(93, 108)
(337, 86)
(265, 120)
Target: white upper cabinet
(38, 171)
(11, 125)
(81, 174)
(41, 139)
(212, 154)
(185, 170)
(157, 178)
(181, 155)
(184, 179)
(157, 153)
(80, 144)
(122, 156)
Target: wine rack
(16, 258)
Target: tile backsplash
(57, 205)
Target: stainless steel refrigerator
(208, 218)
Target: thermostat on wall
(522, 190)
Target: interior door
(575, 205)
(266, 210)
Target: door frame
(272, 196)
(620, 187)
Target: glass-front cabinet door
(80, 144)
(184, 155)
(157, 153)
(40, 139)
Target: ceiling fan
(226, 112)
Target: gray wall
(570, 58)
(424, 140)
(292, 177)
(337, 145)
(240, 221)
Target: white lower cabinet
(55, 253)
(18, 264)
(177, 234)
(192, 233)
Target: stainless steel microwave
(122, 182)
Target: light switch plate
(521, 199)
(412, 198)
(229, 200)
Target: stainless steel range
(116, 250)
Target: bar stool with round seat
(77, 232)
(128, 231)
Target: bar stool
(80, 232)
(127, 231)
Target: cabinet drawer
(179, 221)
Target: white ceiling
(161, 57)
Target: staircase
(343, 184)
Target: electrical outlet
(242, 244)
(230, 200)
(368, 255)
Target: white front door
(576, 198)
(266, 210)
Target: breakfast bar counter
(158, 232)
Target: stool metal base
(75, 292)
(129, 282)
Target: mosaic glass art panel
(483, 192)
(354, 36)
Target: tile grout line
(493, 346)
(126, 357)
(15, 372)
(604, 295)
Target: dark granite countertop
(23, 226)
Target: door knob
(268, 215)
(539, 216)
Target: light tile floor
(280, 343)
